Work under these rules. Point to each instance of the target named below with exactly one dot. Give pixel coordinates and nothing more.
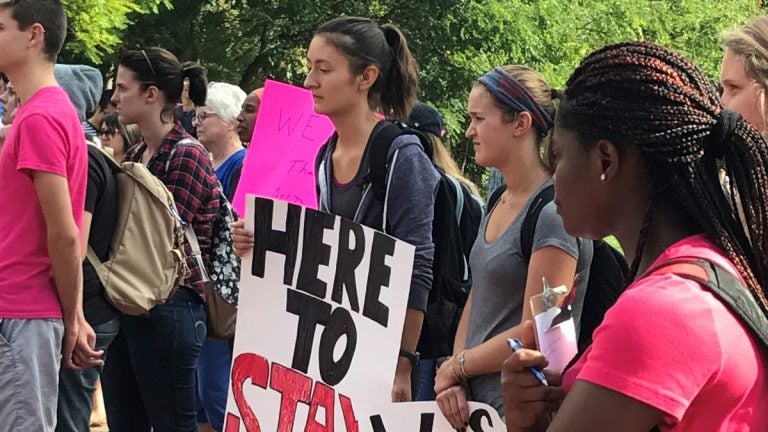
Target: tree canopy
(455, 41)
(96, 26)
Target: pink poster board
(280, 162)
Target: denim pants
(149, 377)
(213, 382)
(76, 387)
(426, 389)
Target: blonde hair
(750, 44)
(442, 157)
(543, 94)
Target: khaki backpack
(146, 261)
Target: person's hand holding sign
(242, 239)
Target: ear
(609, 159)
(152, 94)
(368, 78)
(522, 124)
(37, 36)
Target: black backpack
(727, 288)
(457, 217)
(607, 272)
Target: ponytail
(364, 43)
(617, 94)
(402, 79)
(160, 68)
(198, 82)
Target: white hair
(225, 100)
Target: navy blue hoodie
(407, 211)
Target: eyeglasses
(202, 115)
(149, 62)
(107, 132)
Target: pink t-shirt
(46, 135)
(670, 343)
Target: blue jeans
(213, 382)
(76, 387)
(427, 370)
(149, 378)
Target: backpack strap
(181, 142)
(544, 197)
(319, 158)
(108, 157)
(189, 234)
(459, 211)
(94, 260)
(726, 287)
(91, 255)
(189, 231)
(459, 197)
(378, 157)
(495, 197)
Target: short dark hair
(106, 99)
(49, 14)
(130, 133)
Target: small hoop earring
(602, 177)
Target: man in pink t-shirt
(43, 171)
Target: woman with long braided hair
(639, 138)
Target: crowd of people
(639, 145)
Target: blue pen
(516, 346)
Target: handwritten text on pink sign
(280, 162)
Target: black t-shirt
(101, 202)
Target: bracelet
(460, 359)
(413, 357)
(455, 375)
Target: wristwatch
(412, 356)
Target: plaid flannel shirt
(191, 180)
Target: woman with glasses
(216, 126)
(118, 137)
(149, 381)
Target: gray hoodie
(407, 211)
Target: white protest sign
(320, 317)
(425, 417)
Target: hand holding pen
(515, 345)
(527, 403)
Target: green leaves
(454, 41)
(96, 25)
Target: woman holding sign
(357, 69)
(639, 138)
(511, 111)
